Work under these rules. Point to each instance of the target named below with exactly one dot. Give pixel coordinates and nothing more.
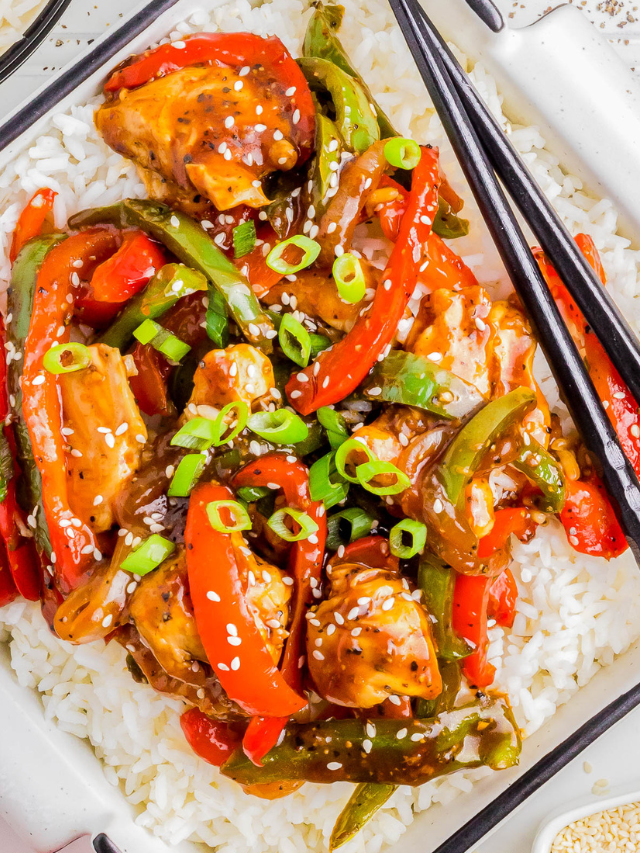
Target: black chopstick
(578, 392)
(488, 13)
(18, 53)
(602, 313)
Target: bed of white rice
(574, 615)
(15, 17)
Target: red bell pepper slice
(254, 265)
(588, 517)
(21, 553)
(469, 620)
(503, 595)
(213, 740)
(371, 551)
(305, 564)
(119, 278)
(246, 671)
(234, 49)
(31, 220)
(42, 409)
(516, 520)
(589, 520)
(339, 370)
(8, 589)
(390, 213)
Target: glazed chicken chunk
(208, 128)
(105, 433)
(240, 372)
(162, 612)
(371, 639)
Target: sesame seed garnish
(318, 655)
(38, 380)
(339, 618)
(480, 324)
(371, 729)
(395, 700)
(619, 395)
(416, 736)
(141, 439)
(110, 440)
(244, 71)
(296, 117)
(238, 85)
(401, 733)
(223, 667)
(287, 580)
(290, 91)
(107, 621)
(175, 221)
(253, 329)
(235, 664)
(234, 641)
(330, 630)
(635, 431)
(228, 122)
(261, 128)
(437, 505)
(387, 604)
(334, 765)
(353, 613)
(367, 745)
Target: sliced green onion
(305, 522)
(160, 339)
(202, 433)
(244, 238)
(418, 536)
(67, 358)
(402, 153)
(250, 494)
(310, 251)
(239, 516)
(347, 526)
(349, 278)
(294, 340)
(321, 485)
(351, 445)
(370, 470)
(319, 343)
(148, 556)
(335, 425)
(6, 464)
(187, 475)
(279, 427)
(216, 319)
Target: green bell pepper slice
(169, 284)
(412, 380)
(545, 472)
(355, 119)
(437, 583)
(189, 242)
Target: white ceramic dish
(578, 810)
(52, 789)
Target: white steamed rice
(15, 17)
(575, 613)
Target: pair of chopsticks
(485, 155)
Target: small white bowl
(577, 810)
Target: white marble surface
(614, 756)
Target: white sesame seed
(334, 765)
(416, 736)
(175, 221)
(235, 664)
(290, 91)
(261, 128)
(38, 380)
(234, 641)
(107, 621)
(122, 429)
(437, 505)
(339, 251)
(330, 630)
(228, 122)
(244, 71)
(339, 618)
(238, 85)
(318, 655)
(395, 700)
(231, 629)
(480, 324)
(619, 395)
(635, 430)
(254, 330)
(110, 440)
(387, 604)
(367, 745)
(353, 613)
(296, 117)
(401, 733)
(141, 439)
(223, 667)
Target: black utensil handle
(602, 313)
(33, 37)
(488, 13)
(580, 396)
(102, 844)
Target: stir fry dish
(265, 429)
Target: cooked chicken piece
(162, 612)
(199, 128)
(209, 697)
(514, 349)
(371, 640)
(266, 593)
(317, 295)
(92, 611)
(240, 372)
(106, 431)
(452, 328)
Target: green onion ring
(77, 356)
(309, 247)
(307, 525)
(351, 445)
(349, 278)
(367, 472)
(359, 524)
(279, 427)
(294, 340)
(187, 475)
(418, 533)
(402, 153)
(148, 555)
(335, 425)
(239, 514)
